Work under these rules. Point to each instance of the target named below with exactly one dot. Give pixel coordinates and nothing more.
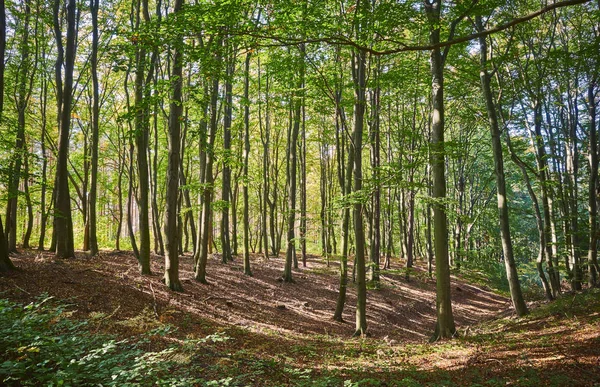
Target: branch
(344, 40)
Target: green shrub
(41, 345)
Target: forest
(316, 192)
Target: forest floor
(273, 333)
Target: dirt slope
(402, 310)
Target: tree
(5, 262)
(507, 248)
(63, 223)
(247, 269)
(445, 320)
(92, 218)
(24, 85)
(175, 116)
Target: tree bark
(62, 219)
(593, 269)
(5, 262)
(507, 248)
(21, 102)
(226, 181)
(176, 111)
(205, 225)
(445, 320)
(358, 210)
(92, 218)
(247, 269)
(375, 251)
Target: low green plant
(42, 345)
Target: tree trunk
(445, 320)
(538, 142)
(29, 204)
(226, 181)
(265, 165)
(345, 180)
(176, 112)
(292, 153)
(130, 197)
(247, 269)
(21, 101)
(359, 70)
(593, 189)
(91, 218)
(44, 177)
(5, 262)
(507, 248)
(158, 236)
(205, 225)
(539, 221)
(141, 144)
(375, 250)
(303, 164)
(62, 219)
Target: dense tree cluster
(360, 130)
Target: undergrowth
(41, 345)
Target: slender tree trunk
(375, 251)
(21, 102)
(92, 218)
(205, 224)
(359, 69)
(5, 262)
(62, 220)
(572, 178)
(543, 178)
(247, 269)
(507, 248)
(141, 143)
(29, 204)
(226, 181)
(130, 203)
(445, 320)
(121, 171)
(176, 112)
(265, 166)
(44, 177)
(593, 189)
(539, 221)
(292, 153)
(346, 179)
(303, 165)
(158, 236)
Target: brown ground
(276, 325)
(401, 310)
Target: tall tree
(227, 159)
(143, 76)
(593, 269)
(176, 113)
(63, 223)
(92, 216)
(292, 155)
(5, 262)
(445, 327)
(24, 81)
(507, 248)
(247, 269)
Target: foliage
(41, 344)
